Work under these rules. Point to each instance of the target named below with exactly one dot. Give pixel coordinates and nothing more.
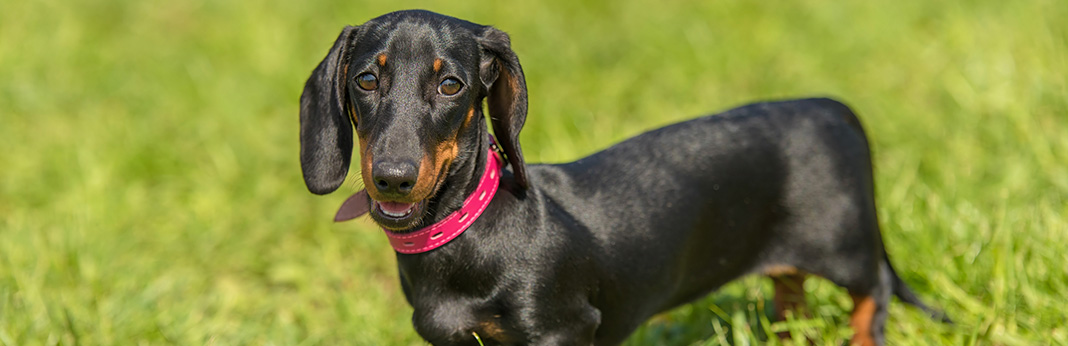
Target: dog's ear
(325, 128)
(507, 99)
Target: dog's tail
(903, 292)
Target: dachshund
(493, 251)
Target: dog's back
(691, 206)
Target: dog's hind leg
(870, 307)
(789, 296)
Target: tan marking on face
(432, 168)
(365, 169)
(437, 65)
(381, 60)
(467, 119)
(863, 312)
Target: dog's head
(412, 83)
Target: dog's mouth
(403, 215)
(395, 210)
(396, 215)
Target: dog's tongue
(395, 209)
(357, 204)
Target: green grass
(150, 191)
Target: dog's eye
(367, 81)
(449, 86)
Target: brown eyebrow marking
(381, 60)
(437, 65)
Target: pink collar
(440, 233)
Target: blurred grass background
(150, 191)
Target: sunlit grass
(150, 190)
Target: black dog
(582, 253)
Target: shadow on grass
(743, 314)
(706, 321)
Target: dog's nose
(395, 177)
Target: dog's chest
(454, 303)
(463, 321)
